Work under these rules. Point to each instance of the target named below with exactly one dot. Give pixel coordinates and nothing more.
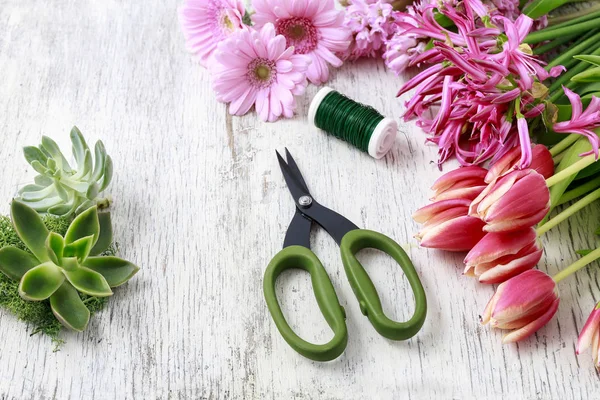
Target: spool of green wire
(355, 123)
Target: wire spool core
(358, 124)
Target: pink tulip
(516, 201)
(446, 226)
(541, 162)
(590, 335)
(502, 255)
(523, 304)
(461, 183)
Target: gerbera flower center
(299, 32)
(226, 22)
(262, 72)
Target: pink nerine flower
(502, 255)
(255, 67)
(371, 23)
(522, 304)
(206, 22)
(582, 123)
(314, 27)
(513, 202)
(590, 336)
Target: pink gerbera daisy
(256, 67)
(206, 22)
(313, 27)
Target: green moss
(37, 314)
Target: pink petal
(533, 327)
(589, 330)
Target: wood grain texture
(201, 206)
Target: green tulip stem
(580, 48)
(571, 170)
(552, 33)
(563, 145)
(560, 21)
(590, 198)
(579, 191)
(577, 265)
(558, 158)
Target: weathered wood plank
(200, 204)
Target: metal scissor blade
(295, 184)
(294, 167)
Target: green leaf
(100, 160)
(69, 309)
(85, 224)
(89, 282)
(79, 146)
(92, 191)
(584, 252)
(582, 145)
(105, 237)
(539, 8)
(15, 262)
(32, 153)
(61, 209)
(597, 231)
(40, 282)
(115, 270)
(43, 180)
(79, 248)
(39, 167)
(589, 75)
(31, 195)
(30, 228)
(55, 244)
(52, 148)
(589, 58)
(108, 173)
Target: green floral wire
(347, 120)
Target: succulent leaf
(105, 236)
(68, 308)
(89, 282)
(115, 270)
(55, 244)
(14, 262)
(30, 228)
(80, 248)
(62, 189)
(41, 282)
(85, 224)
(32, 153)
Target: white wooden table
(201, 206)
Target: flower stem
(579, 191)
(559, 158)
(563, 144)
(580, 48)
(571, 170)
(552, 33)
(581, 66)
(590, 198)
(553, 44)
(577, 265)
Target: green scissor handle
(303, 258)
(370, 304)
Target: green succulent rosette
(58, 268)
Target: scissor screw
(305, 201)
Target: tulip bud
(515, 201)
(523, 304)
(461, 183)
(502, 255)
(541, 161)
(446, 226)
(590, 335)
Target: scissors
(296, 254)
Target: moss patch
(37, 314)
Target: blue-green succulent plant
(57, 268)
(60, 189)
